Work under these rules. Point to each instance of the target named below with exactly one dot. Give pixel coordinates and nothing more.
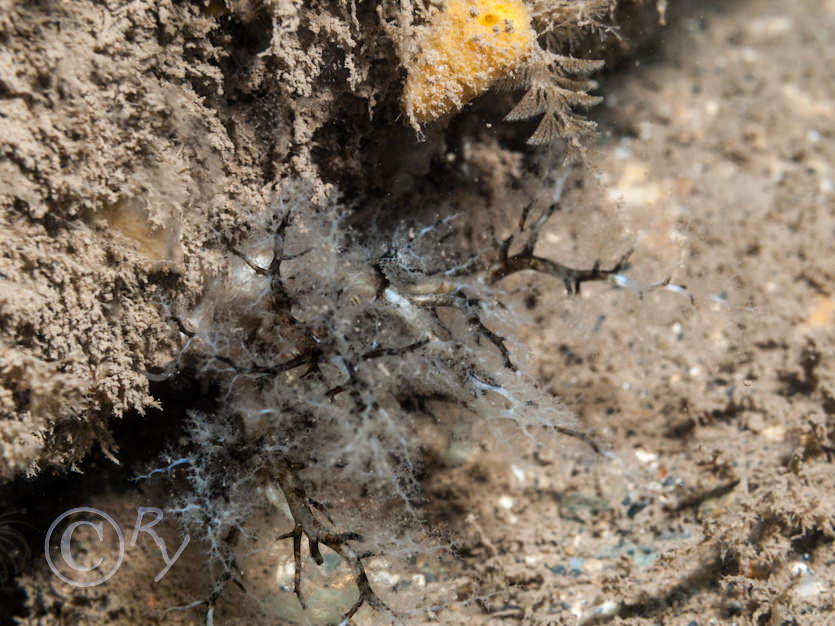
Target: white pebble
(606, 608)
(645, 457)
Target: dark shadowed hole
(31, 504)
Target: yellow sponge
(466, 49)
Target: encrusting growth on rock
(465, 50)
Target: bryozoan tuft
(555, 84)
